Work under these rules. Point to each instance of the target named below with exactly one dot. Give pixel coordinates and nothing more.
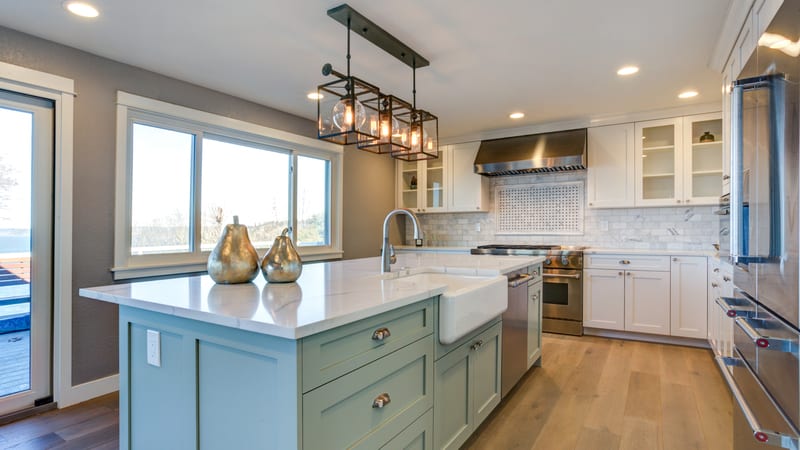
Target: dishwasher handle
(516, 281)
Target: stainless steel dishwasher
(515, 330)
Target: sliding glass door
(26, 261)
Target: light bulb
(344, 115)
(386, 131)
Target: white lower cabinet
(652, 294)
(689, 306)
(720, 326)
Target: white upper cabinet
(469, 191)
(679, 161)
(445, 184)
(658, 157)
(703, 159)
(610, 171)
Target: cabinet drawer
(418, 435)
(333, 353)
(627, 262)
(343, 414)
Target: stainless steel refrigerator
(763, 372)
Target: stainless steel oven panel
(558, 284)
(770, 348)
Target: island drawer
(369, 407)
(333, 353)
(627, 262)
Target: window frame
(135, 109)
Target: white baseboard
(659, 339)
(87, 391)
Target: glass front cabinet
(679, 161)
(422, 184)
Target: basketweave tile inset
(544, 208)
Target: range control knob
(564, 261)
(548, 261)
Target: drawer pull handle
(381, 334)
(625, 261)
(381, 400)
(726, 278)
(476, 345)
(714, 285)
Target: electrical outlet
(154, 348)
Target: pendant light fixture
(352, 111)
(423, 132)
(347, 107)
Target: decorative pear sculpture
(282, 264)
(234, 259)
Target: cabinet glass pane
(409, 181)
(658, 165)
(435, 183)
(707, 158)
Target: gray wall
(369, 180)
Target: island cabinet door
(368, 407)
(485, 368)
(418, 435)
(452, 407)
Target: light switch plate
(154, 348)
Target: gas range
(556, 256)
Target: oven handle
(576, 276)
(761, 435)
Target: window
(182, 175)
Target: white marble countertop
(325, 296)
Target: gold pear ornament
(282, 264)
(234, 259)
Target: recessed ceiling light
(516, 115)
(687, 94)
(314, 96)
(627, 70)
(81, 9)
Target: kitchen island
(263, 365)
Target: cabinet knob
(620, 273)
(726, 177)
(476, 345)
(716, 270)
(674, 259)
(590, 203)
(625, 262)
(381, 334)
(688, 200)
(678, 201)
(714, 285)
(726, 278)
(381, 400)
(629, 273)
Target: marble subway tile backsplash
(664, 228)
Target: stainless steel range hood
(535, 153)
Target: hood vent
(535, 153)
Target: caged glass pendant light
(352, 111)
(423, 131)
(347, 107)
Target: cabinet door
(409, 184)
(659, 162)
(647, 302)
(610, 170)
(434, 195)
(689, 297)
(485, 373)
(702, 160)
(763, 13)
(604, 299)
(745, 44)
(534, 323)
(468, 190)
(452, 399)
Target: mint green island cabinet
(344, 358)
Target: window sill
(156, 270)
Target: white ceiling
(553, 59)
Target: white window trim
(131, 105)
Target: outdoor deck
(15, 335)
(15, 362)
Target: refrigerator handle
(736, 174)
(761, 435)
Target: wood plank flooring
(15, 362)
(590, 393)
(596, 393)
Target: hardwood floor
(90, 425)
(590, 393)
(604, 394)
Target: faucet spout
(387, 251)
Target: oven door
(562, 296)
